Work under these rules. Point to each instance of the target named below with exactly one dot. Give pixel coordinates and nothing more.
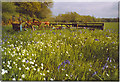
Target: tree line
(41, 11)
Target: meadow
(67, 54)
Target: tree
(34, 9)
(8, 9)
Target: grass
(68, 54)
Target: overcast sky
(96, 9)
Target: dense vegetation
(67, 54)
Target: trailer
(81, 25)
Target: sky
(97, 9)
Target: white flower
(9, 62)
(7, 65)
(13, 62)
(27, 68)
(23, 76)
(51, 79)
(23, 65)
(44, 78)
(66, 74)
(10, 67)
(3, 72)
(32, 54)
(48, 71)
(23, 60)
(20, 79)
(38, 70)
(107, 74)
(40, 49)
(19, 58)
(13, 79)
(34, 69)
(41, 64)
(27, 54)
(109, 37)
(40, 73)
(42, 68)
(34, 60)
(43, 74)
(67, 52)
(35, 64)
(19, 68)
(31, 62)
(3, 62)
(14, 52)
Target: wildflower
(35, 64)
(23, 76)
(107, 74)
(107, 66)
(31, 62)
(23, 60)
(54, 33)
(114, 67)
(20, 79)
(89, 69)
(10, 67)
(27, 68)
(51, 79)
(40, 73)
(71, 75)
(59, 67)
(40, 49)
(48, 71)
(19, 68)
(106, 35)
(44, 78)
(41, 64)
(4, 71)
(43, 74)
(110, 60)
(96, 40)
(94, 73)
(13, 79)
(57, 46)
(42, 68)
(107, 58)
(27, 61)
(67, 62)
(60, 33)
(113, 42)
(104, 66)
(63, 69)
(3, 62)
(38, 70)
(34, 69)
(74, 36)
(66, 74)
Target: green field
(67, 54)
(112, 26)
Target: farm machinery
(34, 24)
(39, 25)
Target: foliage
(8, 9)
(69, 54)
(34, 9)
(74, 17)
